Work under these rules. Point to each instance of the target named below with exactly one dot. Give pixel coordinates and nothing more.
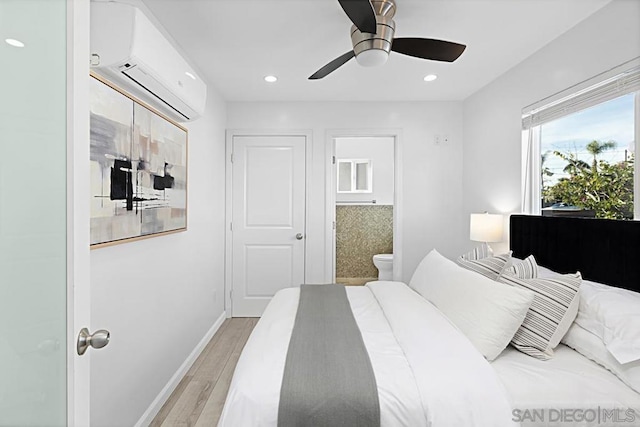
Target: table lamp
(486, 227)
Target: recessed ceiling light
(14, 42)
(270, 79)
(190, 75)
(430, 77)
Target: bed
(427, 353)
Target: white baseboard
(162, 397)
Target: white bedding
(568, 381)
(427, 372)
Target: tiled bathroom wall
(362, 231)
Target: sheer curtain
(531, 171)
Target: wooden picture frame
(138, 168)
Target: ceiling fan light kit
(372, 49)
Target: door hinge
(334, 225)
(231, 157)
(231, 226)
(333, 160)
(231, 294)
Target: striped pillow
(525, 269)
(480, 252)
(554, 307)
(491, 267)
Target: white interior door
(268, 219)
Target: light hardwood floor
(200, 396)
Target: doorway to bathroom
(363, 208)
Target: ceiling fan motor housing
(373, 49)
(384, 7)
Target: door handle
(98, 339)
(299, 236)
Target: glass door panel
(33, 185)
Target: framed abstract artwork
(138, 168)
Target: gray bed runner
(328, 379)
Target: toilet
(384, 264)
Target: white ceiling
(235, 43)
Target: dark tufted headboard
(605, 251)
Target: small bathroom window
(355, 176)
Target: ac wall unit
(127, 49)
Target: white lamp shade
(486, 227)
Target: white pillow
(545, 273)
(554, 308)
(612, 314)
(592, 347)
(487, 312)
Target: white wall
(160, 296)
(431, 174)
(380, 151)
(492, 116)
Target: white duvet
(427, 372)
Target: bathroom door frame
(330, 197)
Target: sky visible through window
(610, 121)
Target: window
(354, 176)
(579, 151)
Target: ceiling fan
(372, 38)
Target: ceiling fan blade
(332, 66)
(361, 14)
(436, 50)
